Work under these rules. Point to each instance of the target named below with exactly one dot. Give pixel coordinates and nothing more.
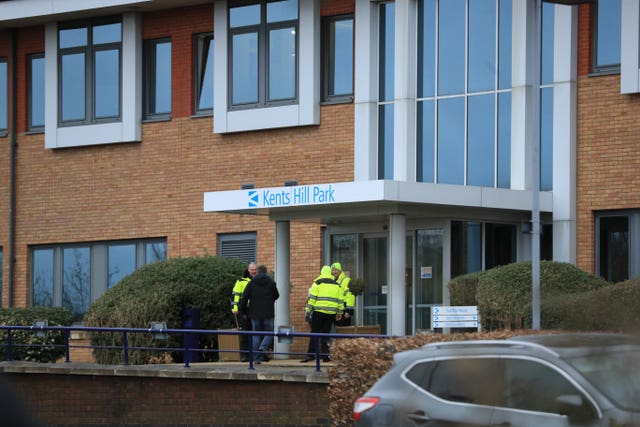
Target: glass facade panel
(385, 141)
(608, 33)
(451, 141)
(42, 277)
(36, 91)
(73, 87)
(482, 45)
(107, 84)
(504, 44)
(282, 64)
(73, 37)
(504, 140)
(613, 250)
(546, 139)
(344, 249)
(109, 33)
(75, 282)
(4, 96)
(339, 58)
(466, 247)
(451, 46)
(245, 68)
(158, 74)
(205, 73)
(283, 10)
(500, 244)
(375, 278)
(428, 274)
(156, 251)
(243, 16)
(387, 51)
(122, 262)
(426, 141)
(481, 140)
(426, 48)
(546, 70)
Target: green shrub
(504, 293)
(610, 308)
(160, 292)
(28, 346)
(463, 288)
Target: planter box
(228, 343)
(362, 329)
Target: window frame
(633, 240)
(328, 60)
(199, 64)
(150, 73)
(4, 96)
(605, 68)
(39, 127)
(262, 30)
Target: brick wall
(82, 400)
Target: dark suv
(545, 380)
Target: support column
(396, 297)
(283, 266)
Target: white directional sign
(462, 316)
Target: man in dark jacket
(263, 293)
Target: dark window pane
(110, 33)
(242, 16)
(426, 48)
(482, 45)
(451, 47)
(73, 37)
(504, 45)
(107, 89)
(73, 87)
(608, 37)
(75, 284)
(614, 248)
(42, 277)
(481, 140)
(245, 68)
(283, 10)
(426, 141)
(387, 51)
(36, 100)
(122, 262)
(466, 247)
(451, 141)
(3, 95)
(500, 244)
(385, 142)
(205, 98)
(282, 64)
(504, 140)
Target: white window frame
(129, 129)
(305, 112)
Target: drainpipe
(12, 160)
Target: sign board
(452, 316)
(426, 272)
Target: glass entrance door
(374, 257)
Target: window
(157, 74)
(89, 67)
(614, 246)
(4, 97)
(36, 91)
(607, 37)
(204, 73)
(337, 55)
(241, 246)
(386, 91)
(72, 276)
(263, 47)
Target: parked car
(572, 379)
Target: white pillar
(396, 296)
(283, 265)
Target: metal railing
(161, 333)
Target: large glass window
(263, 47)
(204, 73)
(464, 92)
(337, 58)
(614, 247)
(89, 72)
(72, 276)
(157, 71)
(546, 98)
(607, 37)
(386, 91)
(36, 91)
(4, 98)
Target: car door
(536, 393)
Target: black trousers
(321, 323)
(245, 325)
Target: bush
(504, 293)
(610, 308)
(463, 289)
(28, 346)
(160, 292)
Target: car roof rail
(490, 343)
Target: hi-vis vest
(238, 289)
(326, 296)
(349, 298)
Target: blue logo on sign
(253, 199)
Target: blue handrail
(289, 335)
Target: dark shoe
(244, 359)
(264, 358)
(326, 359)
(257, 362)
(306, 359)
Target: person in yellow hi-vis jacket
(325, 305)
(242, 320)
(349, 298)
